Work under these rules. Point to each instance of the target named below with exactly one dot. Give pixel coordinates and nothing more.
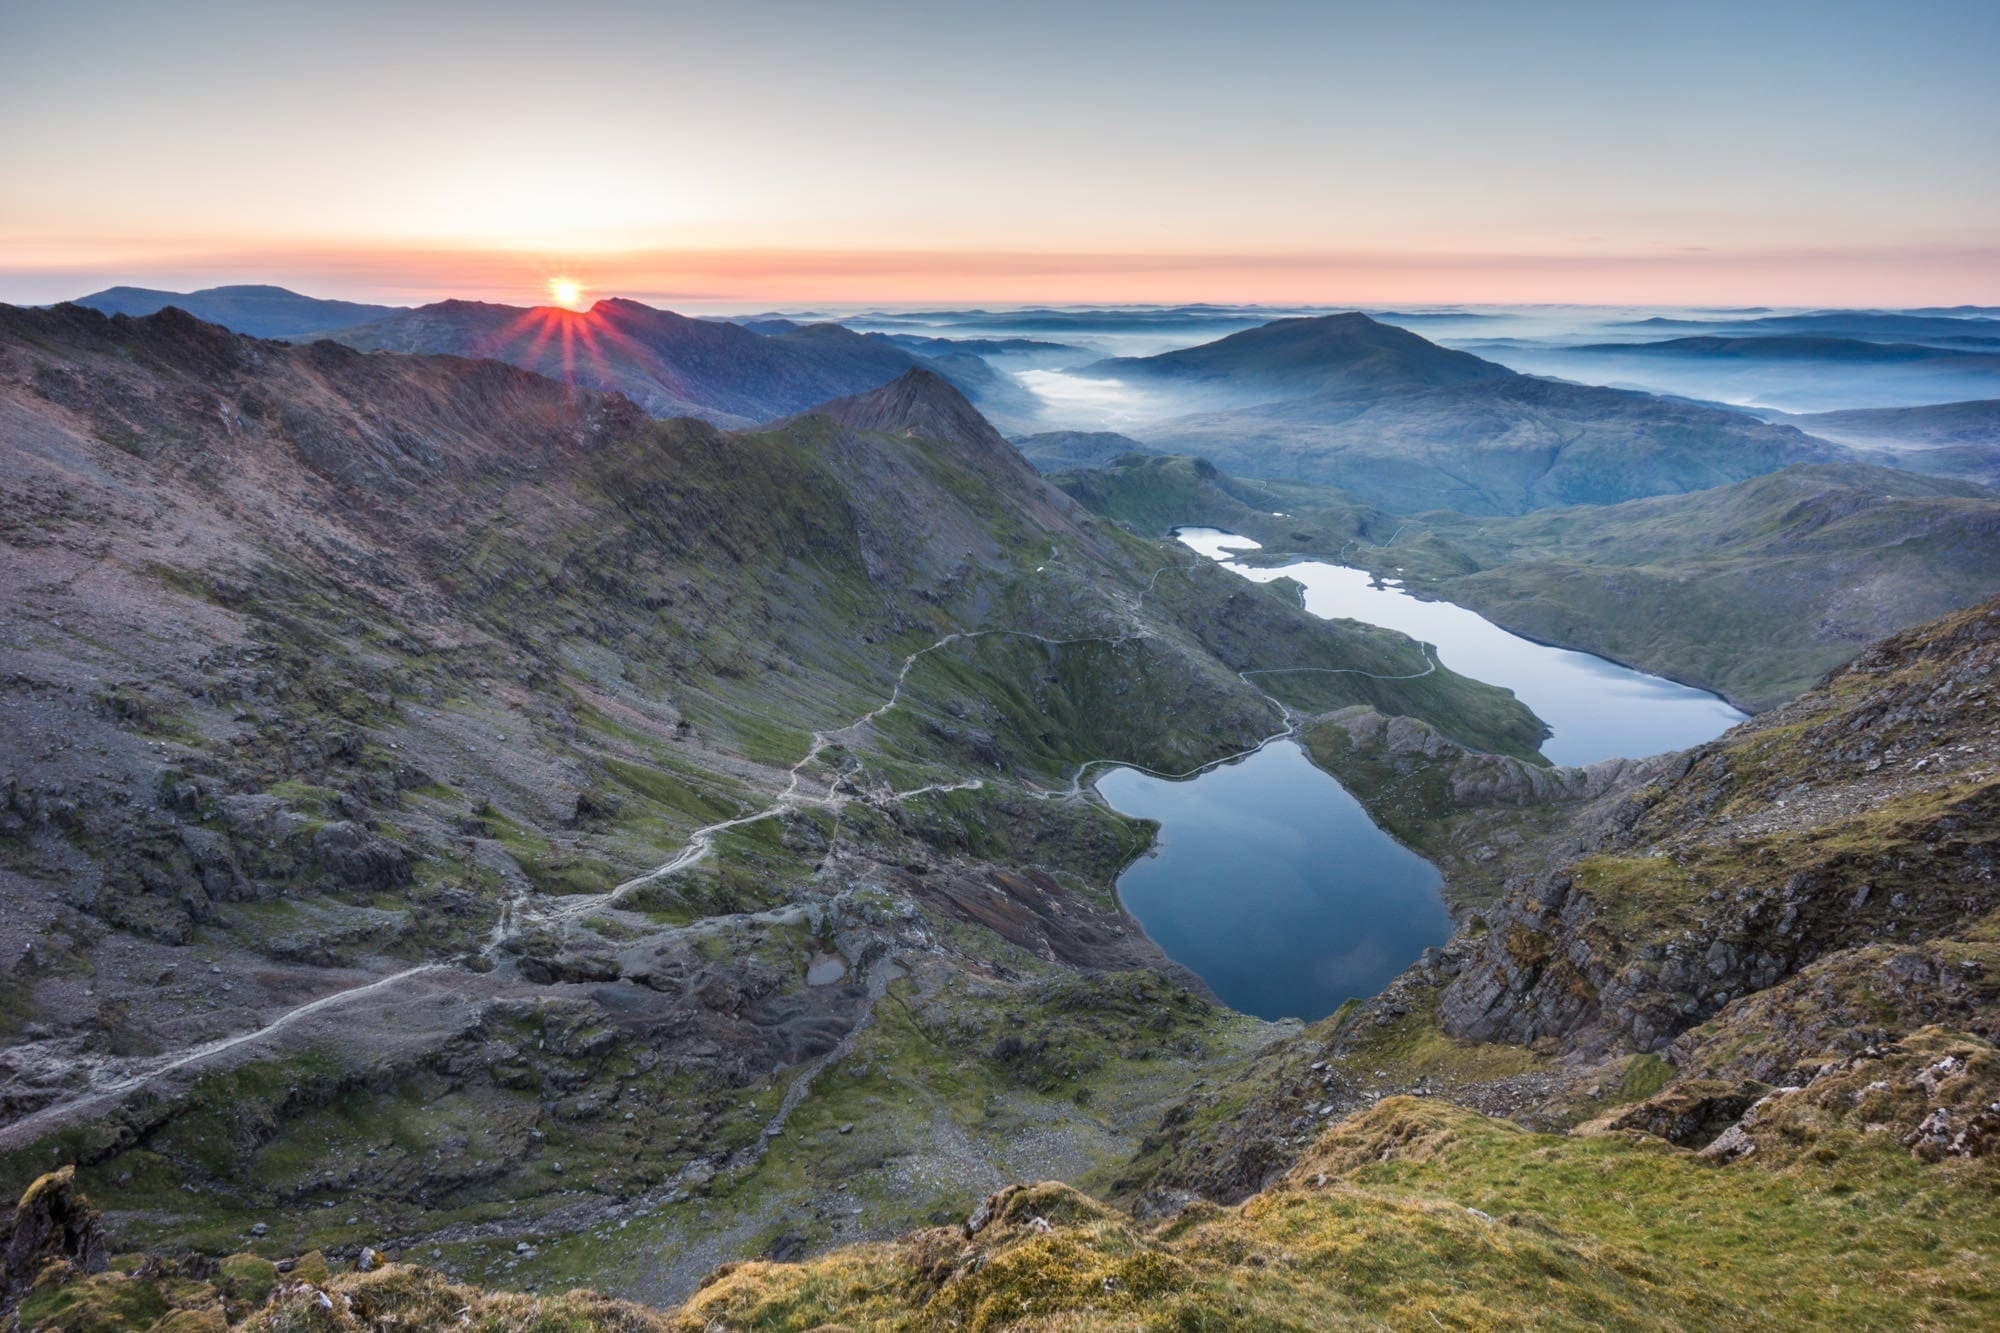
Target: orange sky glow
(759, 277)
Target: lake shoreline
(1263, 559)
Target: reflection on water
(1597, 709)
(1272, 884)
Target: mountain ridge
(668, 363)
(262, 311)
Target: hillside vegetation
(1753, 590)
(1722, 1086)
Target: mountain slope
(262, 312)
(1940, 439)
(442, 790)
(1062, 450)
(1504, 447)
(1404, 424)
(1934, 425)
(1863, 814)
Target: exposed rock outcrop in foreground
(1411, 1212)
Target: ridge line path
(11, 1134)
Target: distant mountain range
(1027, 347)
(1785, 347)
(1340, 399)
(1347, 401)
(263, 312)
(1909, 326)
(1796, 372)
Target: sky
(746, 155)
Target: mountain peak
(170, 334)
(1345, 353)
(919, 402)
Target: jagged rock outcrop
(52, 1235)
(1866, 813)
(1935, 1092)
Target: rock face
(52, 1234)
(1866, 813)
(1486, 820)
(1935, 1092)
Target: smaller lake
(1596, 709)
(1271, 883)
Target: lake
(1597, 709)
(1271, 883)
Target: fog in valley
(1756, 358)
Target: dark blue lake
(1272, 884)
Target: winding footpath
(521, 912)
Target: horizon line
(1686, 277)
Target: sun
(566, 292)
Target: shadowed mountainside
(669, 364)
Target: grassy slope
(1412, 1214)
(1418, 1213)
